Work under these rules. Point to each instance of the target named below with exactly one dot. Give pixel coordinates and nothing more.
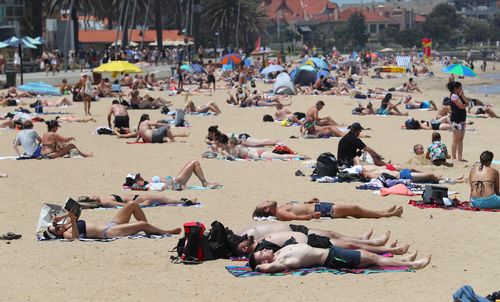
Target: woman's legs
(253, 142)
(65, 150)
(86, 104)
(136, 227)
(461, 145)
(343, 211)
(454, 143)
(148, 199)
(368, 258)
(213, 106)
(188, 170)
(124, 214)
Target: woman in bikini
(236, 149)
(51, 142)
(484, 180)
(114, 200)
(190, 107)
(214, 133)
(118, 226)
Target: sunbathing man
(410, 103)
(296, 256)
(314, 209)
(246, 140)
(153, 132)
(312, 116)
(412, 86)
(74, 119)
(118, 226)
(114, 200)
(122, 119)
(235, 148)
(104, 89)
(190, 107)
(360, 110)
(246, 245)
(372, 172)
(63, 101)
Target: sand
(463, 243)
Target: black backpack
(326, 165)
(217, 241)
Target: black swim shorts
(318, 241)
(342, 258)
(299, 228)
(122, 121)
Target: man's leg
(401, 250)
(343, 211)
(368, 258)
(423, 177)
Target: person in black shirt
(458, 105)
(350, 147)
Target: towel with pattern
(246, 271)
(462, 205)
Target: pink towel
(399, 189)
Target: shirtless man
(152, 132)
(120, 112)
(371, 172)
(210, 74)
(412, 86)
(410, 103)
(276, 241)
(104, 89)
(296, 256)
(312, 116)
(126, 80)
(314, 209)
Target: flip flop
(14, 235)
(299, 173)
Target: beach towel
(193, 113)
(274, 218)
(462, 205)
(160, 187)
(399, 189)
(49, 211)
(157, 204)
(246, 271)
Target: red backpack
(193, 247)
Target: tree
(356, 30)
(443, 24)
(221, 16)
(476, 30)
(410, 37)
(388, 35)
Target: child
(437, 151)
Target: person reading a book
(118, 226)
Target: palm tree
(222, 16)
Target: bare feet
(367, 235)
(398, 212)
(399, 250)
(410, 257)
(391, 209)
(175, 231)
(382, 240)
(421, 263)
(394, 244)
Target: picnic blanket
(49, 211)
(462, 205)
(246, 271)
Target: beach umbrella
(248, 62)
(40, 39)
(230, 59)
(16, 42)
(187, 68)
(271, 69)
(227, 67)
(460, 70)
(40, 88)
(3, 45)
(32, 41)
(198, 68)
(118, 66)
(387, 50)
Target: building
(483, 9)
(12, 13)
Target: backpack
(196, 247)
(326, 165)
(218, 242)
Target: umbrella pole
(20, 52)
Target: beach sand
(463, 243)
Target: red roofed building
(376, 21)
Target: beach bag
(326, 165)
(218, 242)
(282, 149)
(434, 195)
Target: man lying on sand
(371, 172)
(296, 256)
(115, 200)
(245, 245)
(118, 226)
(154, 132)
(314, 209)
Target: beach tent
(271, 68)
(40, 88)
(283, 85)
(316, 62)
(324, 73)
(304, 75)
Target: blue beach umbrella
(460, 70)
(3, 45)
(40, 88)
(198, 68)
(15, 42)
(271, 68)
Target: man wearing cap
(350, 147)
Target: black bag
(326, 165)
(193, 247)
(218, 242)
(434, 195)
(165, 110)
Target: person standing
(210, 74)
(2, 63)
(458, 119)
(86, 92)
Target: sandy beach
(463, 243)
